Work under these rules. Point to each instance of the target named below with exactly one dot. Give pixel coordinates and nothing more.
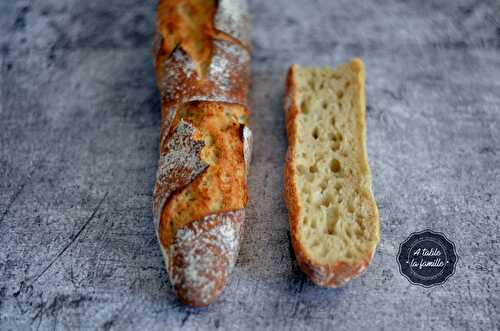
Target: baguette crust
(328, 275)
(204, 113)
(233, 20)
(222, 184)
(203, 255)
(227, 78)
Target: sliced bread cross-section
(333, 216)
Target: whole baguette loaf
(202, 59)
(333, 216)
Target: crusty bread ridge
(202, 61)
(334, 221)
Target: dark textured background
(79, 126)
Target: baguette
(333, 216)
(202, 59)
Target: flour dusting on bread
(202, 61)
(178, 166)
(226, 81)
(204, 254)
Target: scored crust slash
(202, 59)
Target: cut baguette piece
(333, 216)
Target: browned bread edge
(327, 275)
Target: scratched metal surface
(79, 126)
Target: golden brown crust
(188, 24)
(222, 186)
(202, 61)
(198, 55)
(328, 275)
(194, 25)
(226, 80)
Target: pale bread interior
(338, 218)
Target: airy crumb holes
(327, 200)
(304, 108)
(315, 133)
(331, 222)
(335, 165)
(360, 223)
(350, 208)
(313, 224)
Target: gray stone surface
(79, 127)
